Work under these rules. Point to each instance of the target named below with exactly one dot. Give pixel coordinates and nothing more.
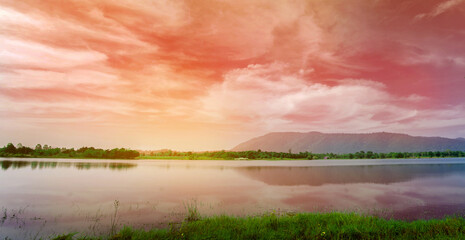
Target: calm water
(48, 196)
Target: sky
(207, 75)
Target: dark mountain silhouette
(317, 142)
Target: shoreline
(334, 225)
(222, 159)
(257, 162)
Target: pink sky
(204, 75)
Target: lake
(39, 197)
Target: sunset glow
(206, 75)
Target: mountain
(318, 142)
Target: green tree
(10, 148)
(369, 154)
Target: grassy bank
(299, 226)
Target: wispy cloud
(440, 9)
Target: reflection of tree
(79, 165)
(315, 176)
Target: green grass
(299, 226)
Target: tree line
(229, 155)
(10, 150)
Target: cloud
(444, 6)
(269, 97)
(439, 9)
(28, 78)
(432, 57)
(26, 54)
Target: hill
(318, 142)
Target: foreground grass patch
(300, 226)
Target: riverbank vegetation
(297, 226)
(10, 150)
(229, 155)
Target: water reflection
(6, 164)
(52, 196)
(316, 176)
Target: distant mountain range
(318, 142)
